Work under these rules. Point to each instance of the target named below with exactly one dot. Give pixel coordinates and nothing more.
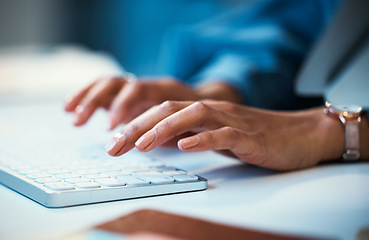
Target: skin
(270, 139)
(276, 140)
(126, 100)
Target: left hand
(124, 99)
(271, 139)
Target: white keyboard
(68, 183)
(48, 160)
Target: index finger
(197, 116)
(126, 138)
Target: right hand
(271, 139)
(125, 99)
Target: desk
(329, 200)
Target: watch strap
(352, 152)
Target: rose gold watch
(350, 116)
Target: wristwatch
(350, 116)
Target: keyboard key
(47, 167)
(67, 175)
(58, 171)
(148, 173)
(59, 186)
(172, 173)
(164, 168)
(27, 171)
(135, 169)
(151, 164)
(109, 182)
(87, 171)
(96, 180)
(46, 180)
(117, 173)
(87, 185)
(133, 180)
(96, 176)
(185, 178)
(76, 180)
(37, 175)
(158, 179)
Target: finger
(194, 117)
(133, 100)
(128, 104)
(225, 138)
(126, 138)
(99, 95)
(137, 97)
(174, 141)
(237, 110)
(72, 101)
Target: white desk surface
(326, 201)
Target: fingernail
(189, 142)
(144, 141)
(110, 145)
(80, 109)
(78, 114)
(119, 137)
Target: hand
(124, 99)
(276, 140)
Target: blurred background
(130, 30)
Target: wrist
(332, 133)
(335, 132)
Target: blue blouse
(256, 48)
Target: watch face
(346, 108)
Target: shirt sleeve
(260, 70)
(257, 49)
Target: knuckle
(139, 89)
(234, 134)
(200, 107)
(204, 114)
(108, 83)
(132, 129)
(231, 132)
(209, 101)
(169, 106)
(137, 86)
